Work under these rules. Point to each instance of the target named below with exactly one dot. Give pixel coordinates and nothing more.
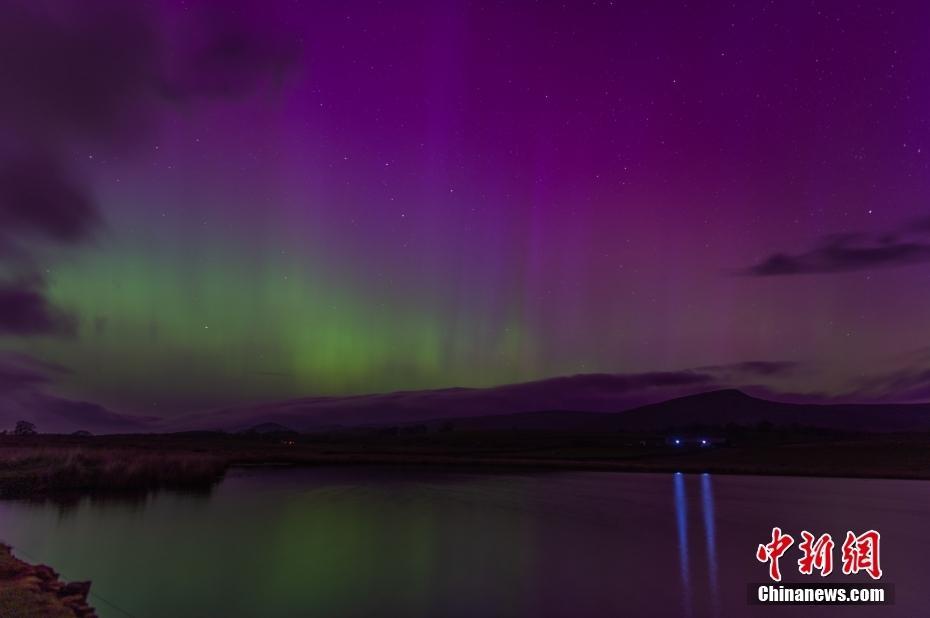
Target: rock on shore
(36, 590)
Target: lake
(367, 541)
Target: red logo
(859, 553)
(817, 554)
(773, 551)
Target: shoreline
(495, 464)
(28, 590)
(62, 467)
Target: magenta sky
(202, 203)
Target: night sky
(210, 203)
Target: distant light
(677, 441)
(703, 441)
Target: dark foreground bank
(28, 591)
(43, 466)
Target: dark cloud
(235, 58)
(102, 70)
(96, 75)
(844, 254)
(763, 391)
(18, 372)
(38, 200)
(77, 69)
(621, 383)
(585, 391)
(852, 252)
(754, 368)
(38, 196)
(23, 381)
(25, 311)
(901, 385)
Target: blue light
(703, 442)
(677, 441)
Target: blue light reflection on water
(681, 520)
(707, 509)
(686, 569)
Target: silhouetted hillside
(715, 408)
(265, 428)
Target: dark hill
(715, 408)
(268, 428)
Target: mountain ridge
(493, 409)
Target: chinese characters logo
(858, 553)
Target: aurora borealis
(261, 200)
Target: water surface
(358, 541)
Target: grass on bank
(32, 471)
(43, 466)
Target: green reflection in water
(255, 548)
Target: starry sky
(204, 203)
